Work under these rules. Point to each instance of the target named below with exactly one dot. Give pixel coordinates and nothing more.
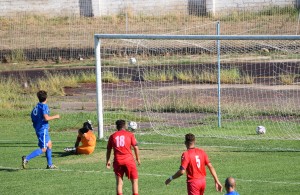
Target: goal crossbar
(198, 37)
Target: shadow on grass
(62, 154)
(10, 169)
(17, 145)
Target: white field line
(145, 143)
(148, 174)
(31, 141)
(170, 144)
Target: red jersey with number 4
(121, 142)
(194, 161)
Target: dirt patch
(230, 86)
(141, 94)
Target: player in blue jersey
(40, 116)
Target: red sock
(135, 194)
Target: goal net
(182, 84)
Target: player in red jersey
(121, 142)
(193, 162)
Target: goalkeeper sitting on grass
(87, 138)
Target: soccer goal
(222, 86)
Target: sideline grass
(258, 171)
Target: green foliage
(18, 55)
(162, 75)
(246, 15)
(208, 77)
(86, 77)
(247, 79)
(230, 76)
(12, 95)
(54, 83)
(277, 10)
(287, 79)
(186, 76)
(109, 77)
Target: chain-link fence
(55, 30)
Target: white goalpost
(182, 83)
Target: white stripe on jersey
(45, 144)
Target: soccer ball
(132, 61)
(132, 125)
(261, 130)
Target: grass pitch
(259, 166)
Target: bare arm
(214, 174)
(108, 152)
(49, 118)
(137, 154)
(175, 176)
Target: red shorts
(129, 169)
(196, 187)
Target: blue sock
(49, 156)
(34, 154)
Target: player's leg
(37, 152)
(33, 154)
(119, 185)
(119, 173)
(132, 173)
(135, 186)
(46, 143)
(84, 150)
(49, 153)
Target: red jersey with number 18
(194, 161)
(121, 142)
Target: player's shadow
(62, 154)
(9, 169)
(17, 145)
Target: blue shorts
(43, 137)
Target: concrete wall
(91, 7)
(49, 7)
(216, 6)
(146, 7)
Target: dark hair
(189, 138)
(86, 127)
(229, 183)
(83, 130)
(120, 124)
(42, 95)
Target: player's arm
(77, 141)
(179, 173)
(108, 152)
(49, 118)
(214, 174)
(137, 154)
